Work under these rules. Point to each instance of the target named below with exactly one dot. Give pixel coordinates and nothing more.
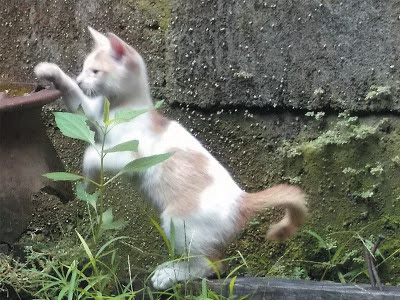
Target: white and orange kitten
(191, 189)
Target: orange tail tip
(290, 197)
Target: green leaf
(127, 146)
(108, 216)
(109, 223)
(158, 104)
(106, 116)
(74, 126)
(58, 176)
(84, 196)
(144, 163)
(127, 114)
(115, 225)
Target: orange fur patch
(185, 177)
(160, 123)
(245, 211)
(286, 196)
(216, 258)
(103, 62)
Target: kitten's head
(113, 69)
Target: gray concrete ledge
(279, 289)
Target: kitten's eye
(95, 71)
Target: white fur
(123, 80)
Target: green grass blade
(62, 292)
(319, 238)
(85, 246)
(212, 265)
(110, 242)
(341, 277)
(243, 260)
(162, 233)
(337, 254)
(87, 250)
(234, 271)
(72, 283)
(47, 287)
(204, 287)
(172, 239)
(231, 286)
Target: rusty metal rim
(36, 99)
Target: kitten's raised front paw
(164, 278)
(48, 71)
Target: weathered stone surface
(56, 31)
(313, 55)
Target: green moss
(15, 90)
(349, 171)
(157, 13)
(379, 93)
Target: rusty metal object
(26, 153)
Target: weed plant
(92, 274)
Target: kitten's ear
(118, 46)
(122, 52)
(99, 38)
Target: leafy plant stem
(101, 185)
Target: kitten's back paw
(164, 278)
(48, 71)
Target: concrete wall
(33, 31)
(310, 55)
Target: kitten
(191, 188)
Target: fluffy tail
(289, 197)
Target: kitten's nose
(79, 80)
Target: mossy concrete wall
(261, 84)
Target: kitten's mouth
(90, 92)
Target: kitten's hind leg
(171, 272)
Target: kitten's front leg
(72, 94)
(112, 163)
(91, 168)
